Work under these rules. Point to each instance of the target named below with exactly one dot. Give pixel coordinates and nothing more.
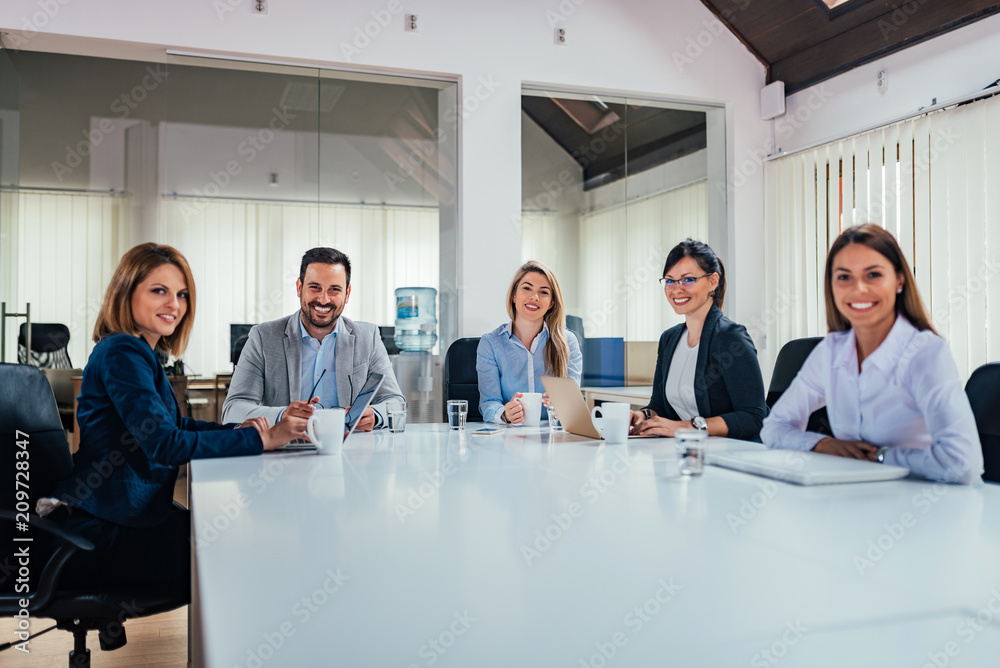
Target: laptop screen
(361, 402)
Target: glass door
(10, 131)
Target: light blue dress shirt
(317, 356)
(507, 367)
(908, 397)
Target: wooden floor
(158, 640)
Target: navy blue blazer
(133, 438)
(727, 380)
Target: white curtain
(934, 182)
(59, 251)
(245, 258)
(622, 254)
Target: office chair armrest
(53, 528)
(69, 544)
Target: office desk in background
(524, 548)
(637, 395)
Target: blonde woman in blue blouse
(513, 358)
(888, 381)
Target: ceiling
(803, 42)
(612, 140)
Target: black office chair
(983, 389)
(461, 381)
(790, 359)
(28, 415)
(49, 345)
(575, 324)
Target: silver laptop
(565, 396)
(805, 468)
(353, 416)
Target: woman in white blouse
(888, 381)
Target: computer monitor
(237, 339)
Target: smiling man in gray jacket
(314, 347)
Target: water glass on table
(691, 450)
(457, 410)
(396, 413)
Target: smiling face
(532, 297)
(694, 298)
(323, 295)
(864, 285)
(159, 303)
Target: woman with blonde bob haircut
(888, 381)
(132, 436)
(512, 358)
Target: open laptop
(805, 468)
(565, 396)
(353, 416)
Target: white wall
(669, 48)
(946, 67)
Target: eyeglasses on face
(687, 281)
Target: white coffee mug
(326, 429)
(615, 422)
(532, 404)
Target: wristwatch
(880, 455)
(700, 423)
(647, 414)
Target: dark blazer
(132, 437)
(728, 382)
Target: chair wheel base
(79, 658)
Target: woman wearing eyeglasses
(707, 375)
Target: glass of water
(691, 450)
(396, 412)
(457, 410)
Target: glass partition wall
(609, 186)
(242, 167)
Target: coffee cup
(615, 421)
(531, 402)
(326, 429)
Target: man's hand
(300, 409)
(849, 449)
(367, 420)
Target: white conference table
(415, 549)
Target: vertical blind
(244, 256)
(934, 182)
(620, 257)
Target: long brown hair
(557, 348)
(116, 317)
(908, 302)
